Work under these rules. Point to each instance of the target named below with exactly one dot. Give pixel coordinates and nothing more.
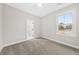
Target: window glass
(65, 23)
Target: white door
(29, 29)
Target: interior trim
(63, 43)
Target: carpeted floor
(39, 47)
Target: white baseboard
(5, 45)
(16, 42)
(1, 49)
(73, 46)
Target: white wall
(14, 24)
(0, 26)
(49, 27)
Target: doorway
(29, 29)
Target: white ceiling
(34, 9)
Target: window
(66, 23)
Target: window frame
(73, 11)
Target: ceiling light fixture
(40, 5)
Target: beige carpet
(39, 47)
